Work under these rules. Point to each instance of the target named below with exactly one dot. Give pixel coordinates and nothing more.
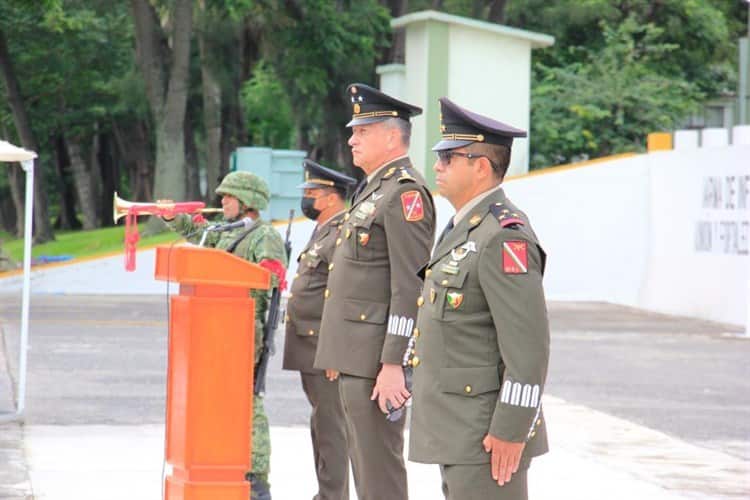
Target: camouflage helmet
(247, 187)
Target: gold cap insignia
(356, 108)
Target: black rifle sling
(232, 246)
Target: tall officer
(370, 307)
(323, 202)
(482, 342)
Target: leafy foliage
(608, 100)
(268, 113)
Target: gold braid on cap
(464, 137)
(325, 182)
(373, 114)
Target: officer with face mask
(323, 202)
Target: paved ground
(639, 405)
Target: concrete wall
(666, 231)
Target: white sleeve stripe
(400, 325)
(515, 394)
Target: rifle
(272, 322)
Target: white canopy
(11, 153)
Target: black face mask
(308, 208)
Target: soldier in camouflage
(244, 195)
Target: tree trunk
(66, 219)
(134, 147)
(167, 102)
(396, 52)
(497, 11)
(85, 191)
(192, 168)
(15, 180)
(42, 226)
(95, 172)
(211, 118)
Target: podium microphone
(245, 223)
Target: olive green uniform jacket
(482, 343)
(370, 309)
(305, 304)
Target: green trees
(149, 97)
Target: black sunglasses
(444, 157)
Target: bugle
(131, 210)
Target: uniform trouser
(328, 432)
(261, 454)
(376, 446)
(474, 482)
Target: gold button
(420, 301)
(444, 282)
(338, 241)
(296, 275)
(286, 317)
(346, 217)
(291, 295)
(311, 332)
(327, 293)
(415, 361)
(467, 389)
(533, 433)
(348, 233)
(416, 332)
(539, 422)
(362, 317)
(330, 266)
(428, 273)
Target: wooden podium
(210, 374)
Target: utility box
(282, 170)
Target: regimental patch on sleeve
(412, 205)
(515, 257)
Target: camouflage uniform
(263, 242)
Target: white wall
(667, 231)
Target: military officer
(482, 343)
(370, 310)
(324, 202)
(244, 194)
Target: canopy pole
(28, 166)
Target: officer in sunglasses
(482, 343)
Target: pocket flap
(470, 381)
(365, 311)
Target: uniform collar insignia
(461, 252)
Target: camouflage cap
(247, 187)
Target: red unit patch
(515, 257)
(411, 203)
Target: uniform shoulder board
(389, 173)
(405, 176)
(506, 217)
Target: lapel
(374, 184)
(323, 231)
(460, 233)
